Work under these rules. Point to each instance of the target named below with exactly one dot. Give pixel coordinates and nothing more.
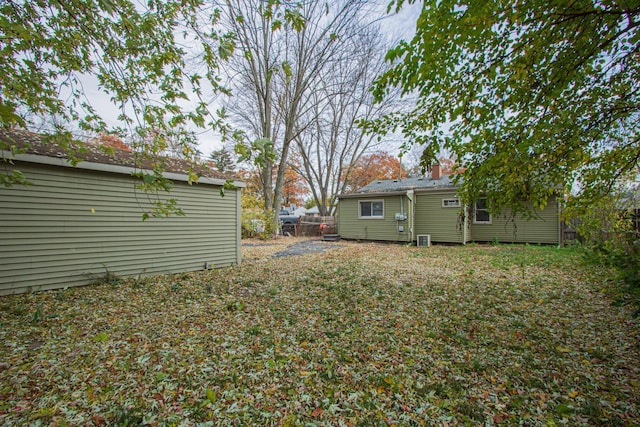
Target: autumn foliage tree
(294, 189)
(251, 177)
(448, 166)
(379, 165)
(109, 140)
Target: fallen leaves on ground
(361, 335)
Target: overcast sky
(397, 26)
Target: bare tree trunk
(253, 110)
(283, 62)
(336, 142)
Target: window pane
(481, 204)
(377, 209)
(365, 208)
(482, 216)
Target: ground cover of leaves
(361, 335)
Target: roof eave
(436, 189)
(372, 194)
(104, 167)
(399, 192)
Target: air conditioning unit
(424, 240)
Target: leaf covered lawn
(361, 335)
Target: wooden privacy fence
(316, 225)
(569, 234)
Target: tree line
(531, 98)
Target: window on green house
(481, 212)
(450, 203)
(371, 209)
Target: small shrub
(258, 223)
(141, 282)
(109, 278)
(622, 255)
(37, 315)
(611, 241)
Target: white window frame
(360, 216)
(446, 203)
(475, 210)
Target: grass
(366, 334)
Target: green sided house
(72, 225)
(426, 210)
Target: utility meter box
(401, 216)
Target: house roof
(37, 147)
(313, 210)
(401, 185)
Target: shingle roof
(44, 145)
(389, 185)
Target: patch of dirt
(254, 249)
(306, 247)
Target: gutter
(369, 195)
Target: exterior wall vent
(424, 240)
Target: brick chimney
(436, 171)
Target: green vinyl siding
(505, 229)
(352, 226)
(72, 226)
(444, 224)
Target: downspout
(402, 213)
(560, 231)
(238, 194)
(465, 223)
(411, 213)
